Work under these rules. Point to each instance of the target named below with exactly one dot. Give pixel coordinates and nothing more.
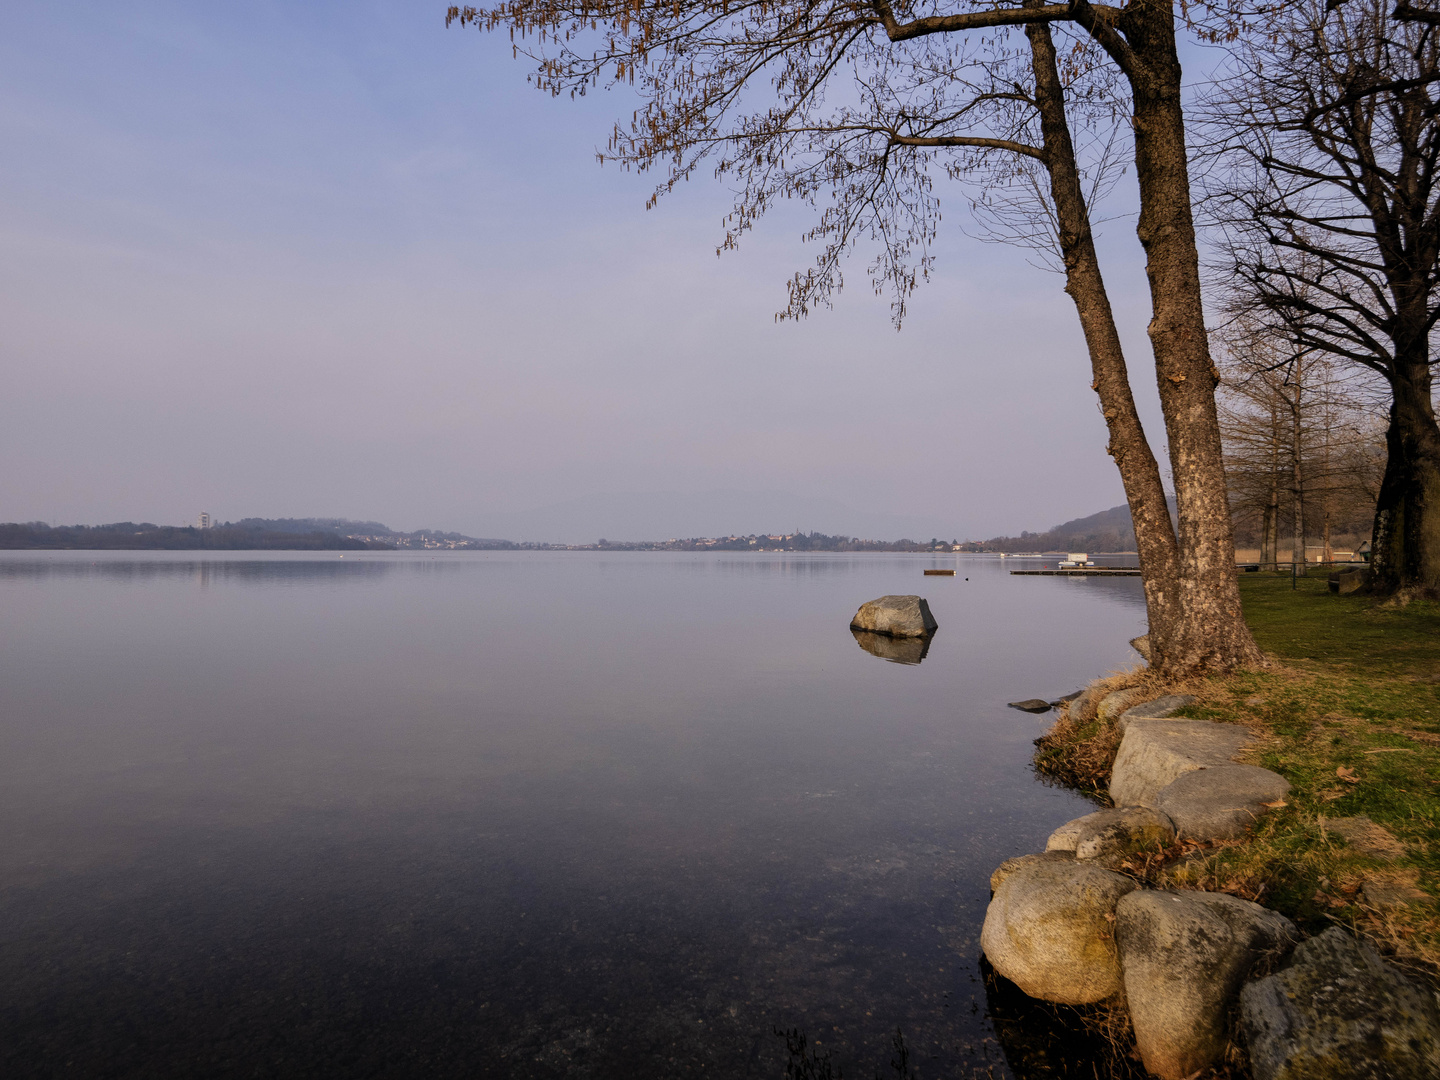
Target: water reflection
(511, 814)
(1042, 1041)
(202, 571)
(898, 650)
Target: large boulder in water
(897, 616)
(1049, 929)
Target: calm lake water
(518, 814)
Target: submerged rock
(897, 616)
(1220, 802)
(1183, 955)
(1033, 704)
(1049, 929)
(1110, 835)
(898, 650)
(1338, 1011)
(1155, 753)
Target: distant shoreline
(338, 534)
(1108, 532)
(128, 536)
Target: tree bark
(1139, 472)
(1213, 633)
(1405, 543)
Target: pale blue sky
(330, 258)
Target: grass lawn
(1350, 714)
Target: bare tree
(1333, 210)
(1304, 443)
(848, 104)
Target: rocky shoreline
(1204, 977)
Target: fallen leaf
(1275, 805)
(1348, 775)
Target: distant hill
(378, 533)
(248, 534)
(337, 526)
(129, 536)
(1109, 530)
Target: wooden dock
(1085, 571)
(939, 573)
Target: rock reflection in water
(1042, 1041)
(898, 650)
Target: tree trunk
(1139, 472)
(1297, 471)
(1268, 557)
(1405, 543)
(1214, 635)
(1272, 510)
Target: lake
(530, 814)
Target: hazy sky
(322, 258)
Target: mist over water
(514, 814)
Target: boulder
(1049, 930)
(1154, 753)
(897, 616)
(1159, 709)
(1110, 835)
(1033, 704)
(1065, 699)
(1113, 704)
(1220, 802)
(1183, 956)
(1009, 866)
(1141, 645)
(1337, 1010)
(898, 650)
(1084, 704)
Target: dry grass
(1080, 748)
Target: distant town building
(204, 522)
